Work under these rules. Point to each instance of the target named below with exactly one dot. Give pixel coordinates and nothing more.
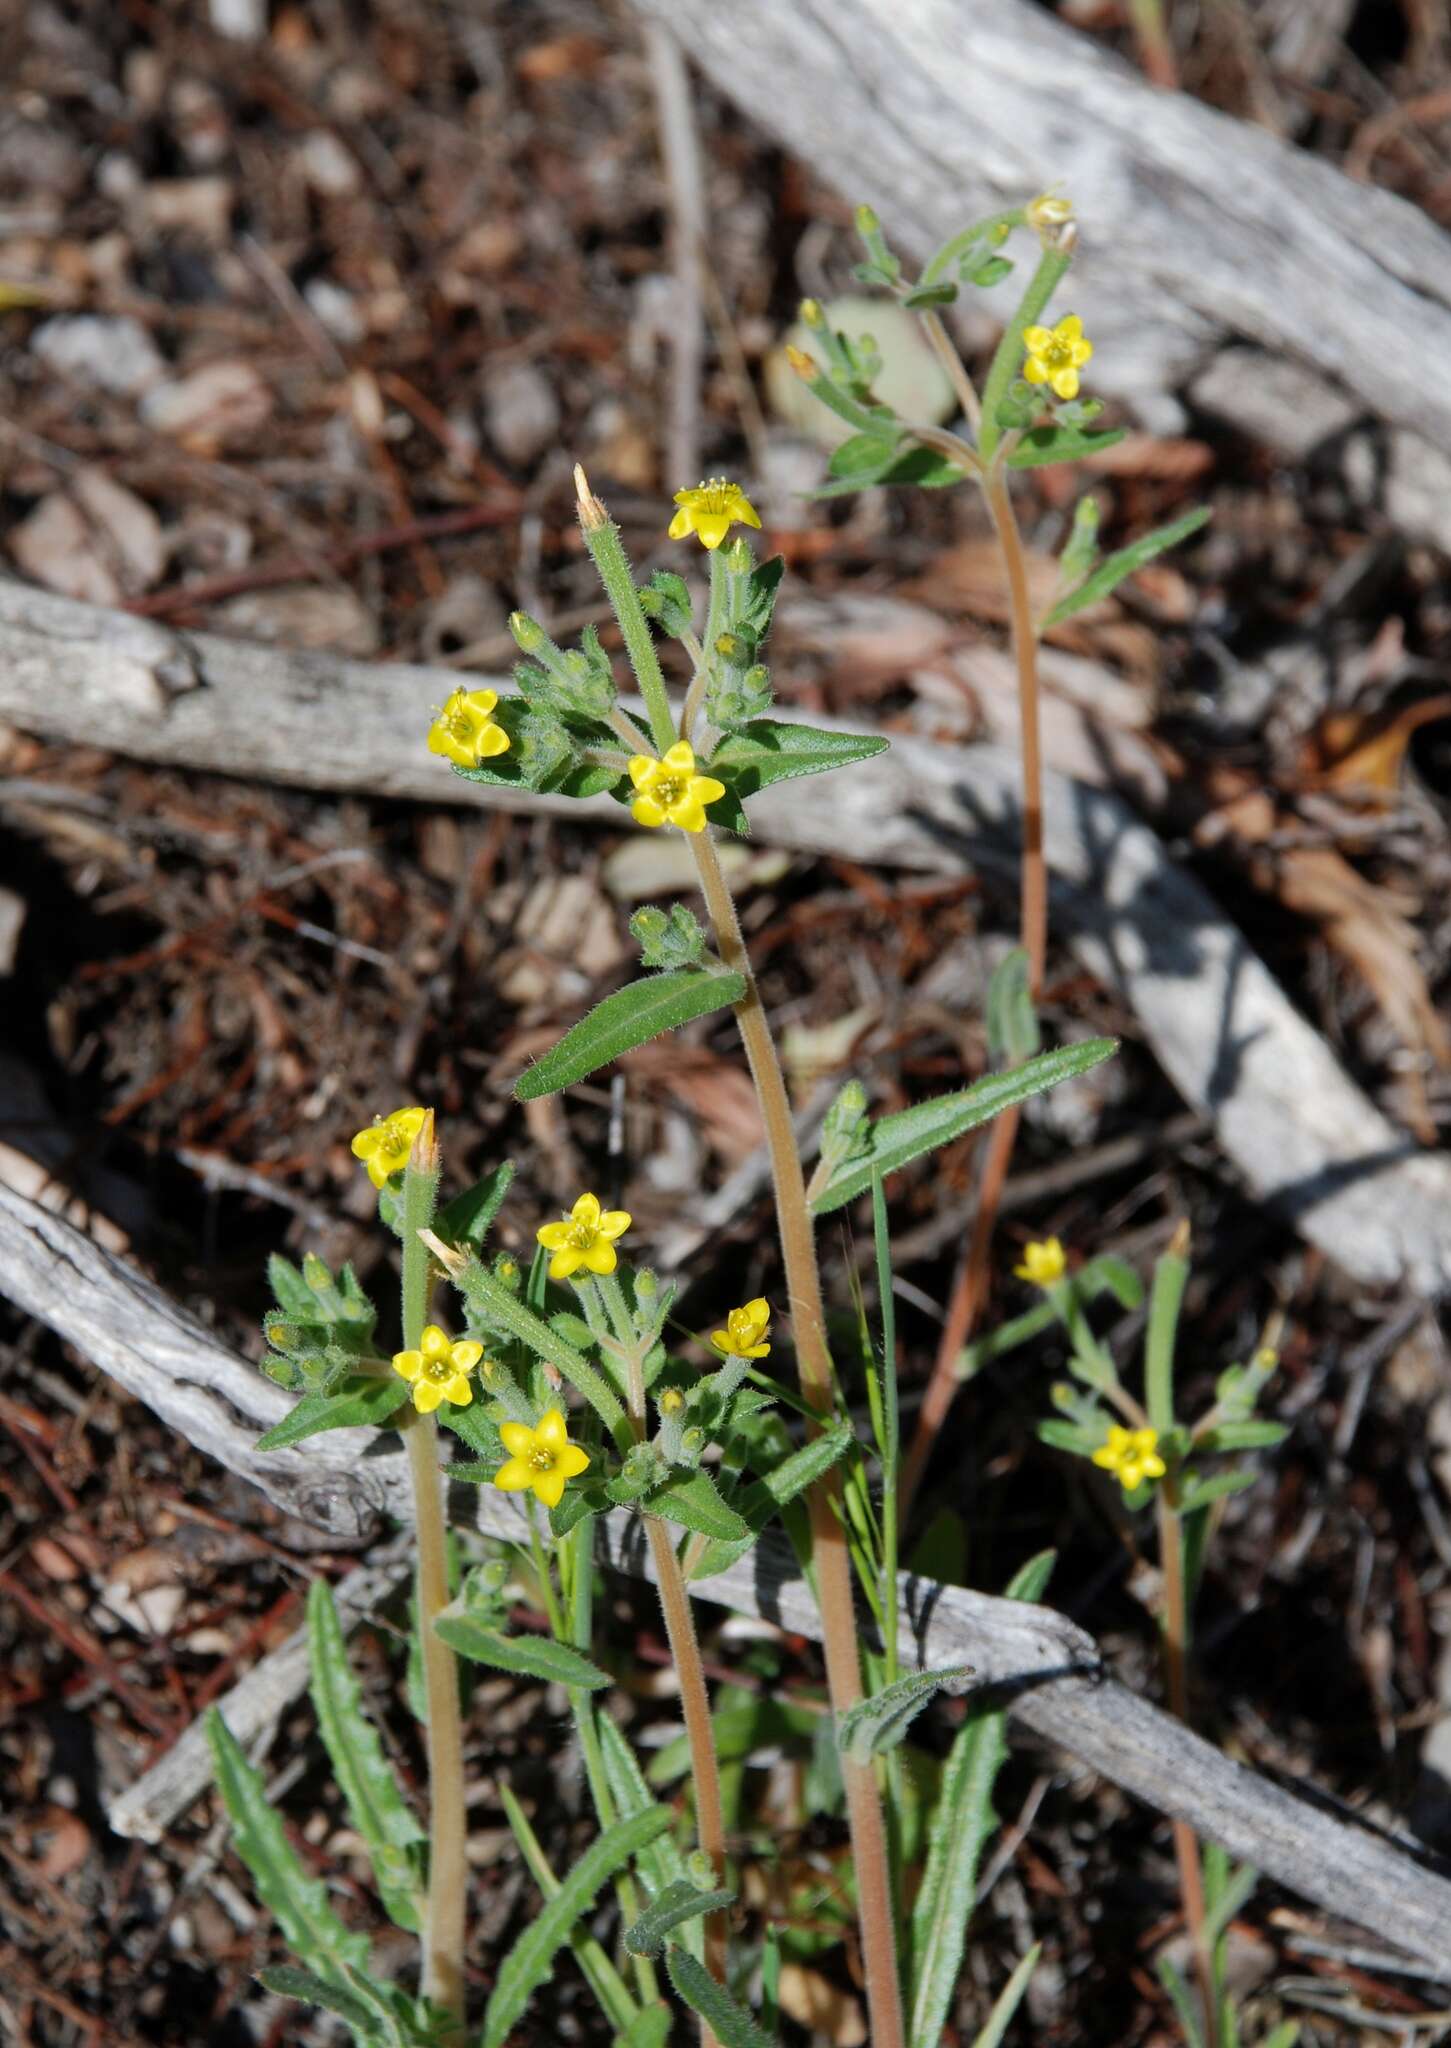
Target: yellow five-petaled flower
(385, 1145)
(540, 1459)
(1057, 354)
(745, 1331)
(465, 729)
(1042, 1263)
(669, 792)
(1132, 1455)
(586, 1238)
(711, 510)
(439, 1370)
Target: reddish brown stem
(1176, 1681)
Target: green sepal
(640, 1011)
(1112, 570)
(362, 1402)
(899, 1139)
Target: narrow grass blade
(1007, 2001)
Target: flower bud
(811, 313)
(671, 1401)
(803, 364)
(529, 635)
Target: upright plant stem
(828, 1536)
(685, 1652)
(1176, 1648)
(443, 1929)
(970, 1292)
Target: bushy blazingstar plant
(567, 1385)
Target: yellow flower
(439, 1370)
(1132, 1456)
(670, 792)
(585, 1238)
(711, 510)
(1042, 1263)
(465, 730)
(540, 1460)
(744, 1331)
(1057, 354)
(385, 1145)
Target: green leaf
(365, 1778)
(767, 751)
(361, 1400)
(661, 1863)
(739, 1726)
(1242, 1436)
(466, 1220)
(528, 1962)
(695, 1504)
(881, 1721)
(1012, 1022)
(731, 2024)
(898, 1140)
(1008, 2000)
(529, 1656)
(498, 1305)
(1166, 1297)
(641, 1010)
(650, 2028)
(1112, 570)
(962, 1821)
(1069, 1436)
(287, 1981)
(862, 456)
(923, 296)
(678, 1902)
(1182, 1999)
(1042, 445)
(1198, 1493)
(293, 1295)
(922, 468)
(297, 1902)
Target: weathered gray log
(1049, 1671)
(1198, 229)
(1289, 1117)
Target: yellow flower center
(439, 1369)
(668, 790)
(392, 1137)
(582, 1236)
(542, 1460)
(456, 721)
(1058, 355)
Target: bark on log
(1305, 1138)
(1049, 1671)
(1198, 229)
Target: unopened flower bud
(801, 363)
(811, 313)
(671, 1401)
(529, 635)
(867, 222)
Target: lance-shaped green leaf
(1241, 1436)
(361, 1400)
(297, 1902)
(604, 1979)
(529, 1656)
(649, 2029)
(922, 468)
(528, 1962)
(881, 1721)
(640, 1011)
(1042, 445)
(767, 750)
(1008, 2001)
(467, 1219)
(695, 1504)
(378, 1809)
(731, 2024)
(1112, 570)
(1200, 1493)
(802, 1468)
(678, 1903)
(369, 2019)
(962, 1821)
(898, 1140)
(1171, 1277)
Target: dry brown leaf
(814, 2002)
(720, 1096)
(1361, 755)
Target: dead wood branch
(1050, 1671)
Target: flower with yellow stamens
(745, 1331)
(1132, 1455)
(711, 510)
(585, 1238)
(385, 1145)
(1042, 1263)
(669, 792)
(1057, 354)
(439, 1369)
(1049, 212)
(541, 1459)
(464, 729)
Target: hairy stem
(443, 1927)
(828, 1536)
(1186, 1847)
(970, 1291)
